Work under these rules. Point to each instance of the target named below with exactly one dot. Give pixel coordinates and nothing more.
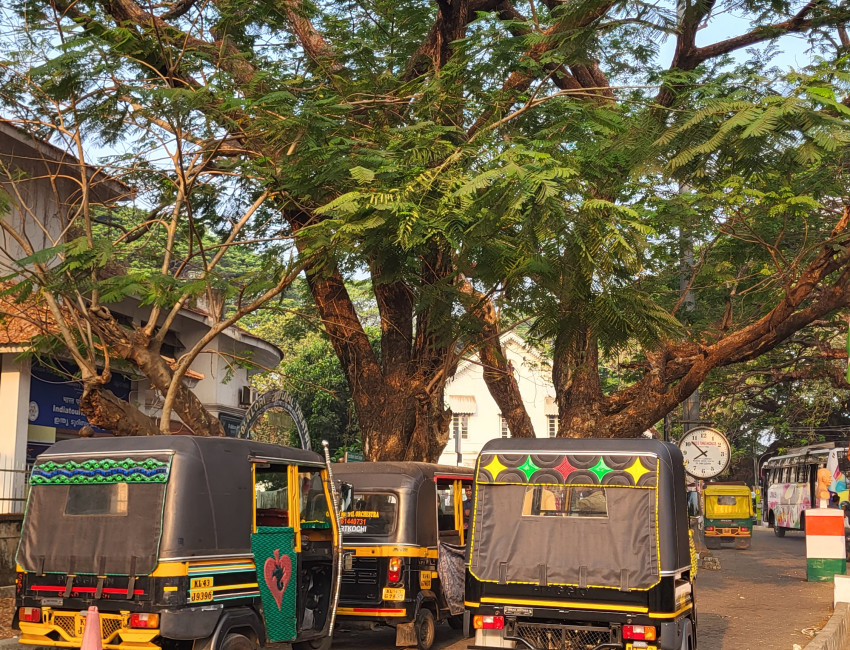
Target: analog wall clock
(706, 452)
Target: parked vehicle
(789, 482)
(729, 515)
(181, 542)
(405, 529)
(581, 543)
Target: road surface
(759, 600)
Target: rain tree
(487, 162)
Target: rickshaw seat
(273, 517)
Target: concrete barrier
(836, 633)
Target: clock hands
(704, 453)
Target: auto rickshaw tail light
(144, 620)
(709, 527)
(30, 614)
(394, 569)
(488, 622)
(639, 632)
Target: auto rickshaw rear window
(91, 500)
(372, 513)
(564, 501)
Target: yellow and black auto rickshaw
(180, 542)
(406, 528)
(580, 543)
(729, 515)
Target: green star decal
(600, 469)
(528, 468)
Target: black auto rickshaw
(580, 543)
(405, 529)
(180, 542)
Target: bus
(788, 484)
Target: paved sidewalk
(760, 599)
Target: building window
(552, 422)
(460, 425)
(503, 427)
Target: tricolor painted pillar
(825, 554)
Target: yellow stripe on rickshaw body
(379, 612)
(489, 600)
(391, 551)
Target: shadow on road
(711, 628)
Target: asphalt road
(759, 600)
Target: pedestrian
(467, 505)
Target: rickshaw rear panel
(403, 514)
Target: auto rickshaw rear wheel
(236, 641)
(742, 543)
(713, 543)
(426, 629)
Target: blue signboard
(55, 398)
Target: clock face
(706, 452)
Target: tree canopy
(487, 162)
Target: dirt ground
(760, 598)
(7, 606)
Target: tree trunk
(103, 409)
(399, 399)
(575, 373)
(498, 374)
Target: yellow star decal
(637, 470)
(495, 467)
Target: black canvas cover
(580, 519)
(101, 544)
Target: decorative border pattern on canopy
(568, 469)
(105, 470)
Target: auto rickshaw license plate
(200, 596)
(201, 583)
(392, 594)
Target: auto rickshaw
(580, 543)
(180, 542)
(405, 529)
(729, 515)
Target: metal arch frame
(275, 399)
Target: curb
(836, 633)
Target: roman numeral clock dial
(706, 452)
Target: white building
(41, 407)
(475, 415)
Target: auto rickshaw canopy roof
(187, 497)
(416, 486)
(638, 534)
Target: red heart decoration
(277, 571)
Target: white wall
(533, 375)
(14, 405)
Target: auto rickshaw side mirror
(346, 492)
